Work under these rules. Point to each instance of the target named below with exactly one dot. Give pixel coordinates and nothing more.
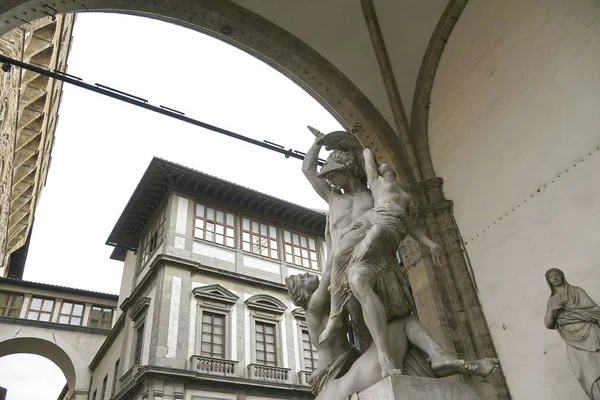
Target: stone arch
(43, 348)
(63, 348)
(424, 85)
(257, 36)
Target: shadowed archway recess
(257, 36)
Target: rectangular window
(259, 238)
(40, 309)
(154, 237)
(100, 317)
(309, 352)
(214, 226)
(266, 349)
(10, 304)
(300, 250)
(70, 313)
(139, 341)
(103, 392)
(113, 389)
(212, 343)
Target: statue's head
(301, 287)
(341, 167)
(555, 278)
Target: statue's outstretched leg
(442, 363)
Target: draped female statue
(576, 317)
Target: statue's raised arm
(310, 164)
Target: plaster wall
(106, 367)
(514, 134)
(127, 279)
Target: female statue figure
(576, 317)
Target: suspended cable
(8, 62)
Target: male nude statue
(349, 199)
(361, 238)
(389, 213)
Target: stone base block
(408, 387)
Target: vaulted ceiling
(371, 63)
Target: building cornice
(200, 269)
(163, 177)
(145, 372)
(58, 289)
(53, 325)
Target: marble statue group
(363, 290)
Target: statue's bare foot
(332, 325)
(388, 368)
(483, 367)
(445, 365)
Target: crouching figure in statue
(576, 317)
(362, 278)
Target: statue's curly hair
(300, 297)
(347, 162)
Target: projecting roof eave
(58, 289)
(162, 177)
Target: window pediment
(215, 292)
(299, 313)
(265, 302)
(141, 305)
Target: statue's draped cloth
(372, 242)
(578, 325)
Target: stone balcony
(303, 377)
(269, 373)
(213, 366)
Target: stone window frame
(267, 309)
(300, 320)
(115, 379)
(138, 318)
(104, 384)
(273, 252)
(70, 315)
(215, 299)
(213, 220)
(291, 243)
(112, 314)
(5, 309)
(40, 312)
(156, 232)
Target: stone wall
(514, 128)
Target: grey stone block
(409, 387)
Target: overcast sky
(103, 146)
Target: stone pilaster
(446, 297)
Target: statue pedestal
(409, 387)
